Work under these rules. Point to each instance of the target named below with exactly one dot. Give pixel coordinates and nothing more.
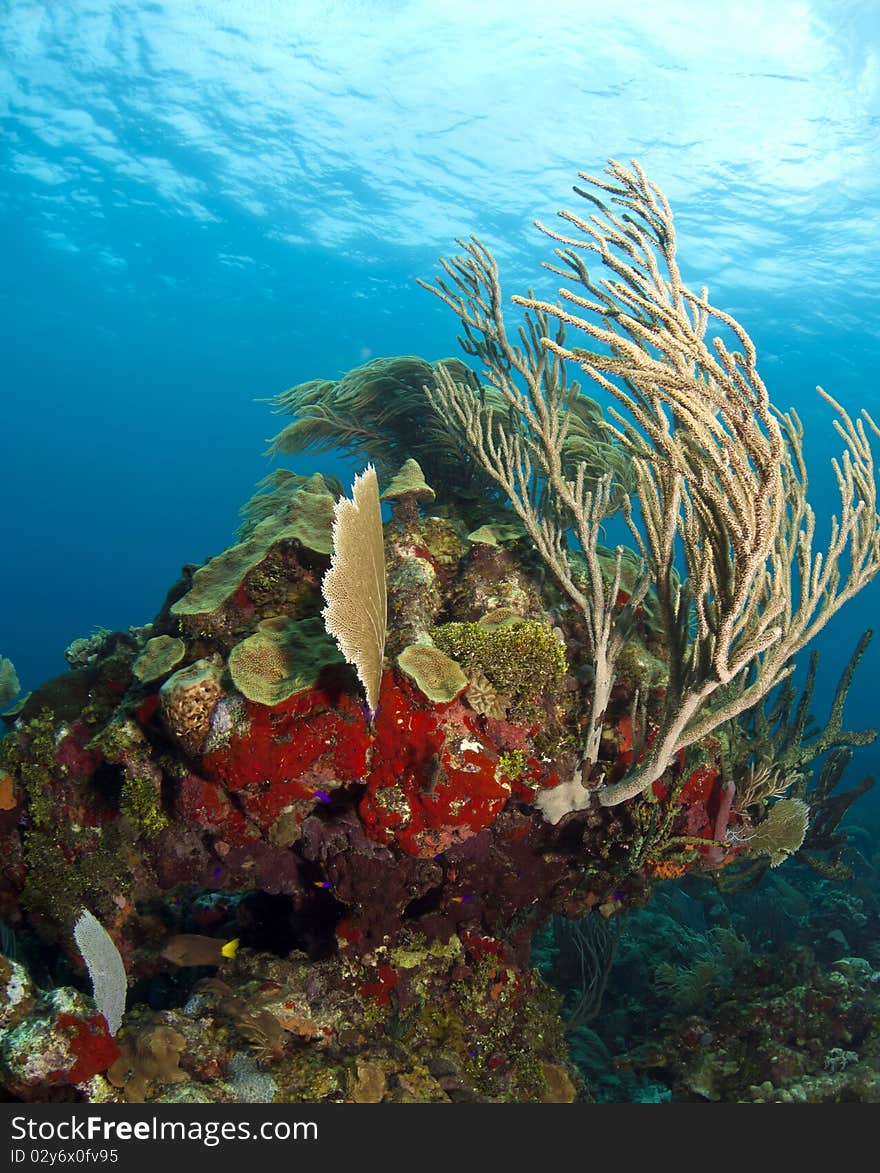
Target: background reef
(765, 995)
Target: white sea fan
(105, 966)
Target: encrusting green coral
(68, 865)
(521, 658)
(496, 536)
(409, 484)
(141, 799)
(31, 759)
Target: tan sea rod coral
(720, 515)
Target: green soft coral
(523, 660)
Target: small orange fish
(194, 949)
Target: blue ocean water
(205, 204)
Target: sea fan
(354, 586)
(105, 966)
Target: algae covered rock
(61, 1041)
(16, 992)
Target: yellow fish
(193, 949)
